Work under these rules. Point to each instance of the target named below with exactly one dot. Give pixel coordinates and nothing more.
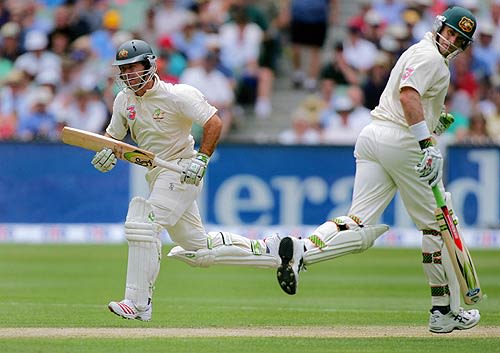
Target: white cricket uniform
(387, 152)
(160, 121)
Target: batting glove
(445, 121)
(430, 168)
(104, 160)
(194, 171)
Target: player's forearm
(211, 134)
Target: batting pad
(331, 243)
(231, 249)
(144, 252)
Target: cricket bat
(459, 254)
(122, 150)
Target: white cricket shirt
(160, 121)
(423, 68)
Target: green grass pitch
(371, 300)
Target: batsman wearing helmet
(159, 117)
(396, 152)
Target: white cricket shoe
(290, 251)
(445, 323)
(128, 310)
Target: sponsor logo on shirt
(131, 112)
(158, 114)
(408, 72)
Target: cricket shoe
(128, 310)
(290, 251)
(445, 323)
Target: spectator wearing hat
(170, 63)
(376, 80)
(101, 40)
(37, 58)
(306, 127)
(483, 49)
(39, 123)
(10, 47)
(339, 126)
(13, 90)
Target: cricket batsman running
(396, 152)
(159, 117)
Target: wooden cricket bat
(122, 150)
(459, 254)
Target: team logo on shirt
(131, 112)
(408, 72)
(466, 24)
(158, 114)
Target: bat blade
(96, 142)
(460, 257)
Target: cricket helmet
(461, 20)
(133, 51)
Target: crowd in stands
(56, 55)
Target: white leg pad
(329, 242)
(144, 253)
(230, 249)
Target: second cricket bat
(459, 254)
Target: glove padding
(104, 160)
(194, 171)
(445, 121)
(430, 168)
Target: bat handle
(164, 164)
(438, 196)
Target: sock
(442, 309)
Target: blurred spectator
(483, 49)
(215, 86)
(59, 42)
(13, 101)
(169, 17)
(493, 118)
(86, 111)
(170, 64)
(37, 58)
(336, 72)
(240, 42)
(426, 17)
(191, 41)
(390, 10)
(272, 22)
(306, 127)
(309, 22)
(39, 123)
(10, 47)
(360, 115)
(101, 40)
(376, 79)
(374, 28)
(359, 53)
(343, 125)
(462, 75)
(477, 133)
(212, 14)
(67, 20)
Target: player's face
(131, 73)
(450, 40)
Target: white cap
(48, 77)
(35, 40)
(486, 27)
(342, 103)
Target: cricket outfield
(54, 299)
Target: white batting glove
(445, 121)
(104, 160)
(430, 168)
(194, 172)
